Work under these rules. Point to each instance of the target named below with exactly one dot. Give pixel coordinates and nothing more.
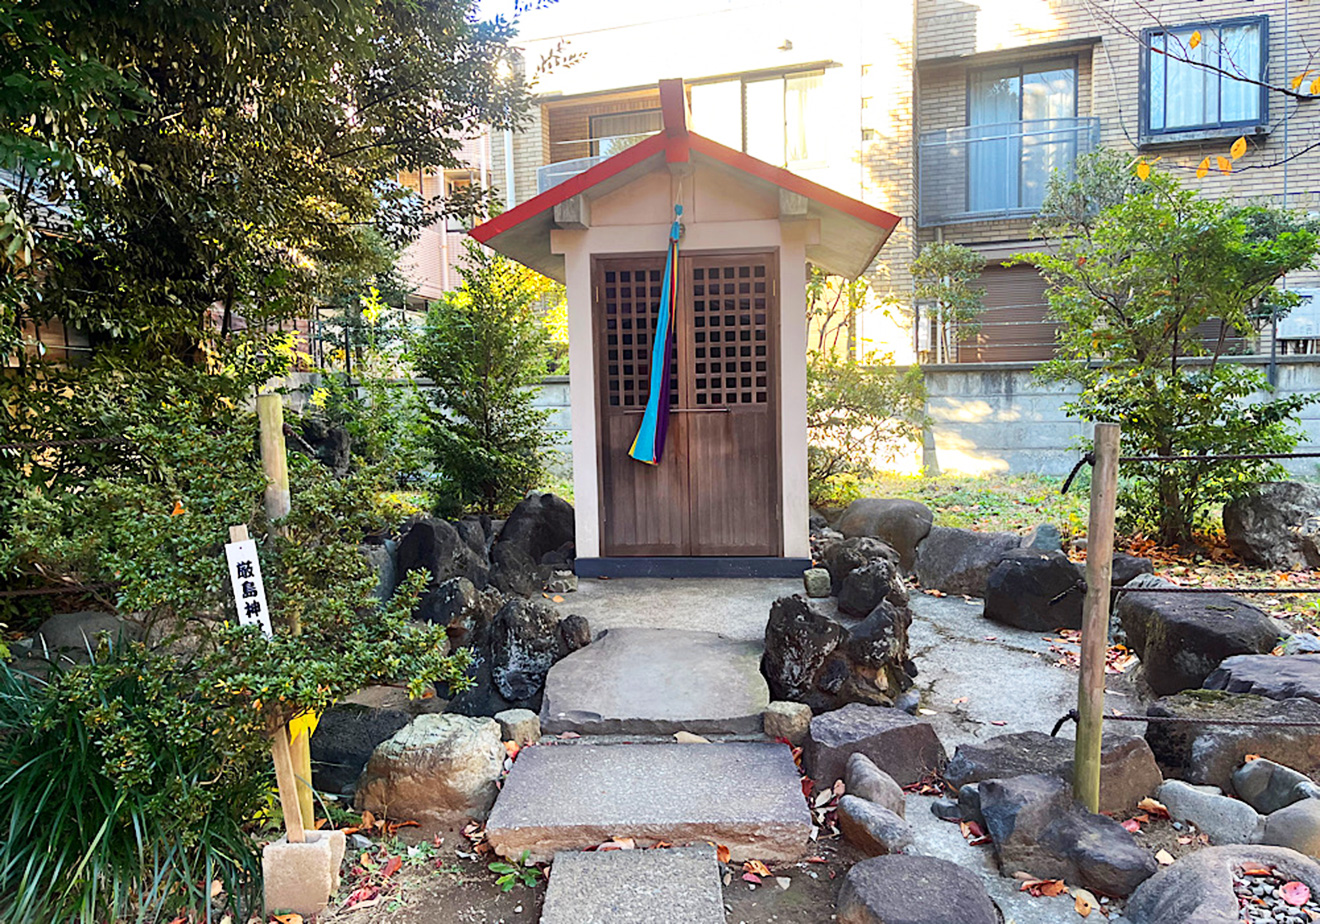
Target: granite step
(655, 682)
(676, 885)
(744, 795)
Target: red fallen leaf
(1132, 825)
(1154, 808)
(807, 784)
(179, 920)
(392, 866)
(1251, 870)
(817, 860)
(511, 748)
(1296, 893)
(998, 723)
(361, 894)
(751, 877)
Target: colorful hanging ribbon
(649, 444)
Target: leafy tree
(946, 275)
(1137, 265)
(483, 349)
(857, 414)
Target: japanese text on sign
(245, 578)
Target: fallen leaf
(392, 866)
(756, 867)
(289, 918)
(722, 853)
(998, 723)
(178, 510)
(1296, 893)
(1044, 887)
(960, 700)
(556, 599)
(1132, 825)
(685, 737)
(321, 823)
(752, 878)
(1084, 902)
(1153, 807)
(1254, 870)
(1250, 757)
(824, 797)
(1163, 857)
(839, 788)
(368, 820)
(512, 748)
(924, 711)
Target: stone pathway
(733, 607)
(679, 885)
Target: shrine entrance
(716, 489)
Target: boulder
(1275, 526)
(541, 524)
(1036, 828)
(383, 558)
(1223, 820)
(809, 658)
(1209, 754)
(788, 720)
(874, 583)
(435, 546)
(904, 747)
(1034, 590)
(1198, 889)
(74, 635)
(1126, 567)
(959, 561)
(329, 445)
(863, 779)
(1301, 643)
(561, 582)
(1295, 826)
(1128, 772)
(349, 731)
(521, 726)
(1043, 538)
(457, 605)
(903, 889)
(1269, 676)
(1181, 637)
(574, 632)
(438, 768)
(900, 523)
(1268, 786)
(840, 557)
(511, 657)
(478, 531)
(871, 828)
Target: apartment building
(950, 113)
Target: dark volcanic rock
(904, 747)
(1180, 637)
(1198, 889)
(842, 556)
(900, 523)
(1269, 676)
(865, 588)
(574, 632)
(1039, 591)
(1209, 754)
(1037, 829)
(798, 639)
(331, 446)
(435, 546)
(540, 524)
(1128, 772)
(903, 889)
(511, 657)
(457, 605)
(1276, 526)
(959, 561)
(1126, 567)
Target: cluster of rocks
(1277, 525)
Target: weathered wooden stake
(1095, 616)
(279, 751)
(275, 463)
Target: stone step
(657, 681)
(744, 795)
(676, 885)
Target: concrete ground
(976, 679)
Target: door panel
(716, 489)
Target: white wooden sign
(245, 578)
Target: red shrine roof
(851, 232)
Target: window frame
(1257, 125)
(782, 76)
(594, 140)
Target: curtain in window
(621, 130)
(765, 120)
(1048, 144)
(1185, 93)
(803, 135)
(717, 112)
(1239, 101)
(992, 142)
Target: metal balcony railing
(552, 175)
(984, 172)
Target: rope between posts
(1089, 459)
(1071, 716)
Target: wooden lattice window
(632, 303)
(730, 324)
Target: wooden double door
(716, 490)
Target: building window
(1206, 87)
(1022, 126)
(619, 131)
(776, 119)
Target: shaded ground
(736, 607)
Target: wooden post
(275, 463)
(1095, 616)
(284, 774)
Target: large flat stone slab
(641, 681)
(677, 885)
(744, 795)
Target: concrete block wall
(996, 417)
